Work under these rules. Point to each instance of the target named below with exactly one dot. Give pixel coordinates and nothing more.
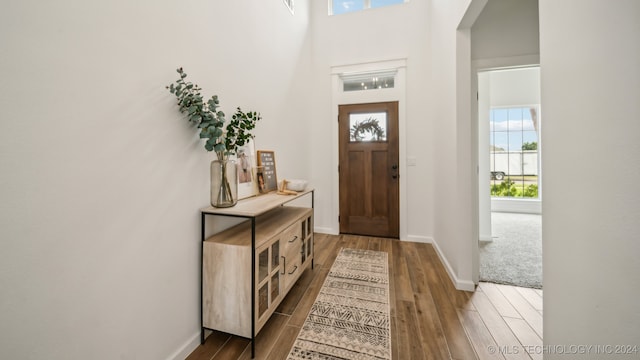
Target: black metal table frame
(203, 216)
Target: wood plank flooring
(430, 319)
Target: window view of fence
(514, 152)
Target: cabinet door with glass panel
(268, 268)
(307, 240)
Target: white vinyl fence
(514, 162)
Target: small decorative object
(296, 184)
(260, 177)
(247, 183)
(224, 186)
(267, 160)
(224, 140)
(283, 190)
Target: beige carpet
(350, 317)
(514, 257)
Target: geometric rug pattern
(350, 318)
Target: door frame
(340, 97)
(476, 67)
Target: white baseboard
(187, 348)
(465, 285)
(325, 230)
(523, 206)
(485, 238)
(419, 239)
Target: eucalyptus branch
(204, 114)
(224, 140)
(239, 129)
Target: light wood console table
(274, 231)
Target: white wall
(506, 28)
(452, 198)
(590, 90)
(102, 178)
(515, 87)
(395, 32)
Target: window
(369, 81)
(368, 127)
(337, 7)
(514, 139)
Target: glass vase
(224, 185)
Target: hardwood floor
(430, 319)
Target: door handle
(394, 176)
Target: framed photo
(267, 177)
(245, 163)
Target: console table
(277, 240)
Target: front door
(369, 187)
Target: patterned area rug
(350, 317)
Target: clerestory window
(337, 7)
(377, 80)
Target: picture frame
(245, 164)
(266, 173)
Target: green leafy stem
(224, 140)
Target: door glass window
(368, 127)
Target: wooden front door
(369, 187)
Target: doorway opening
(510, 194)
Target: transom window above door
(337, 7)
(369, 81)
